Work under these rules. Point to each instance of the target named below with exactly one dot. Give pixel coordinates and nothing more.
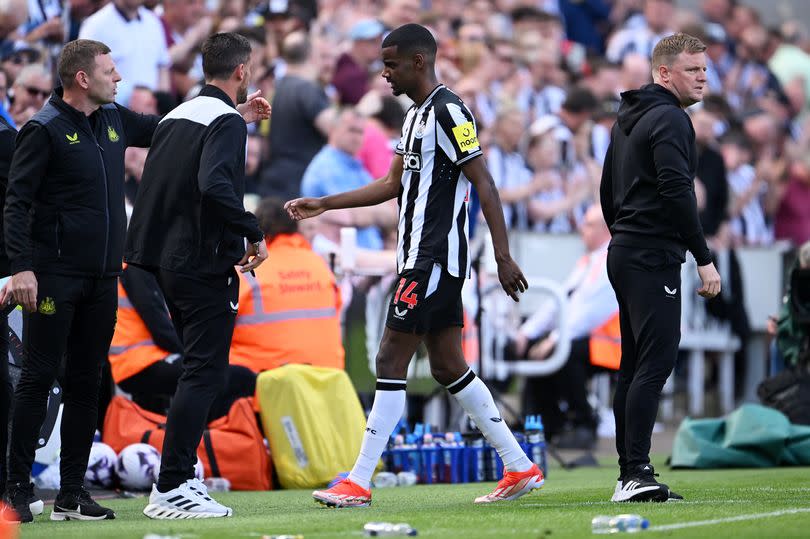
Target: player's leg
(449, 368)
(395, 353)
(405, 327)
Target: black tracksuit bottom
(203, 310)
(647, 283)
(6, 391)
(75, 319)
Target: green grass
(562, 509)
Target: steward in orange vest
(290, 311)
(144, 333)
(146, 352)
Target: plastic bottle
(413, 457)
(398, 454)
(385, 480)
(536, 441)
(476, 461)
(604, 524)
(387, 529)
(430, 464)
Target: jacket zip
(106, 208)
(58, 236)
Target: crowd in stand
(542, 76)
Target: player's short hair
(411, 39)
(273, 218)
(78, 55)
(222, 53)
(671, 46)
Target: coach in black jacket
(189, 226)
(65, 227)
(648, 200)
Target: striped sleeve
(457, 133)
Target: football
(100, 466)
(137, 466)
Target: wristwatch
(257, 244)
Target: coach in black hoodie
(648, 200)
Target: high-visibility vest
(132, 348)
(606, 344)
(289, 312)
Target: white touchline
(754, 516)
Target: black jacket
(64, 211)
(7, 134)
(188, 214)
(647, 190)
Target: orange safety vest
(132, 348)
(606, 344)
(289, 312)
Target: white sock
(474, 396)
(389, 403)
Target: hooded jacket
(647, 190)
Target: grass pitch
(732, 504)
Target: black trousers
(647, 283)
(543, 394)
(203, 310)
(75, 319)
(153, 387)
(6, 391)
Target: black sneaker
(78, 505)
(640, 485)
(19, 498)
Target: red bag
(232, 446)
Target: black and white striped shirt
(438, 137)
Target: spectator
(552, 196)
(30, 91)
(657, 21)
(592, 325)
(508, 168)
(636, 72)
(353, 67)
(138, 42)
(45, 25)
(574, 113)
(335, 168)
(292, 298)
(398, 12)
(791, 337)
(15, 56)
(792, 215)
(545, 95)
(186, 24)
(302, 117)
(584, 20)
(142, 100)
(710, 174)
(748, 223)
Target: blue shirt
(333, 171)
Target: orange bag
(232, 446)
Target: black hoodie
(647, 190)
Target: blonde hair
(671, 46)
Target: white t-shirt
(138, 46)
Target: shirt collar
(212, 91)
(124, 15)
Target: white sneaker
(617, 492)
(189, 500)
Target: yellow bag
(313, 421)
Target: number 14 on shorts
(406, 296)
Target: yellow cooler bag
(313, 421)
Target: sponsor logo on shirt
(466, 137)
(412, 161)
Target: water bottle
(476, 461)
(429, 459)
(217, 484)
(536, 441)
(413, 457)
(387, 529)
(385, 480)
(398, 454)
(603, 524)
(494, 464)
